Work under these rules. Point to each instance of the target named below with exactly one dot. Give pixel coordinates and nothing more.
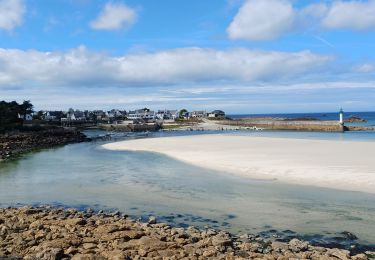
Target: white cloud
(114, 16)
(355, 15)
(267, 88)
(80, 67)
(245, 98)
(313, 10)
(365, 68)
(270, 19)
(262, 20)
(11, 14)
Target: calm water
(140, 184)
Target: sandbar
(345, 165)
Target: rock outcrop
(49, 233)
(354, 119)
(13, 144)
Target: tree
(26, 108)
(9, 114)
(182, 112)
(39, 115)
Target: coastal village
(22, 126)
(116, 116)
(145, 119)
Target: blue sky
(242, 56)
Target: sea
(141, 184)
(366, 136)
(368, 116)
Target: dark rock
(349, 235)
(14, 144)
(81, 222)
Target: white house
(115, 113)
(47, 116)
(216, 113)
(71, 116)
(27, 117)
(141, 114)
(166, 114)
(51, 115)
(198, 114)
(74, 116)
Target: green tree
(26, 108)
(10, 112)
(182, 112)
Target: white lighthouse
(341, 117)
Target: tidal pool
(142, 184)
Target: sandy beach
(345, 165)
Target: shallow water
(140, 184)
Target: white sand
(333, 164)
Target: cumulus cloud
(270, 19)
(355, 15)
(262, 20)
(114, 16)
(11, 14)
(81, 67)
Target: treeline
(12, 114)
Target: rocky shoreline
(57, 233)
(16, 143)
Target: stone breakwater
(13, 144)
(294, 124)
(50, 233)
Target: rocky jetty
(354, 119)
(296, 124)
(50, 233)
(13, 144)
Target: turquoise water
(140, 184)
